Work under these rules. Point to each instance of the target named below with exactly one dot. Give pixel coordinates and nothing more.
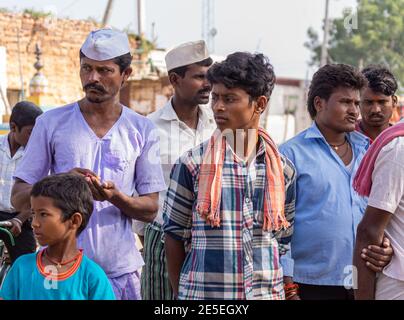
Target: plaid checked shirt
(238, 260)
(8, 165)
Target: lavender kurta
(128, 155)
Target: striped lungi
(155, 284)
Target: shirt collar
(355, 137)
(313, 132)
(258, 156)
(168, 113)
(4, 145)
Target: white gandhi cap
(186, 54)
(105, 44)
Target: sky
(277, 28)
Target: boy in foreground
(61, 207)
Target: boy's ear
(261, 104)
(13, 127)
(76, 220)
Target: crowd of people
(222, 212)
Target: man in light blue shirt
(328, 210)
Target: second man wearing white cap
(182, 123)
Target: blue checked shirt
(238, 260)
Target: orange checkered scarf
(210, 183)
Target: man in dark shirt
(378, 101)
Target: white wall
(280, 125)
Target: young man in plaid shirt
(229, 210)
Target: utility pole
(324, 51)
(107, 13)
(208, 24)
(141, 18)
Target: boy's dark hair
(380, 80)
(24, 114)
(182, 70)
(69, 192)
(331, 77)
(124, 61)
(251, 72)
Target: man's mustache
(376, 115)
(95, 87)
(204, 91)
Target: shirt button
(247, 200)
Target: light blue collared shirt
(328, 210)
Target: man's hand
(16, 227)
(378, 257)
(83, 172)
(91, 178)
(102, 191)
(175, 254)
(290, 294)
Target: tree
(372, 35)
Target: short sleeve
(100, 287)
(287, 152)
(388, 179)
(37, 158)
(149, 176)
(178, 204)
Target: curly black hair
(380, 80)
(69, 192)
(250, 72)
(331, 77)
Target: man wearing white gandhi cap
(183, 123)
(105, 44)
(113, 149)
(186, 54)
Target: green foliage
(144, 45)
(378, 37)
(37, 14)
(93, 20)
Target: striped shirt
(8, 165)
(238, 260)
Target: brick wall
(60, 41)
(146, 95)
